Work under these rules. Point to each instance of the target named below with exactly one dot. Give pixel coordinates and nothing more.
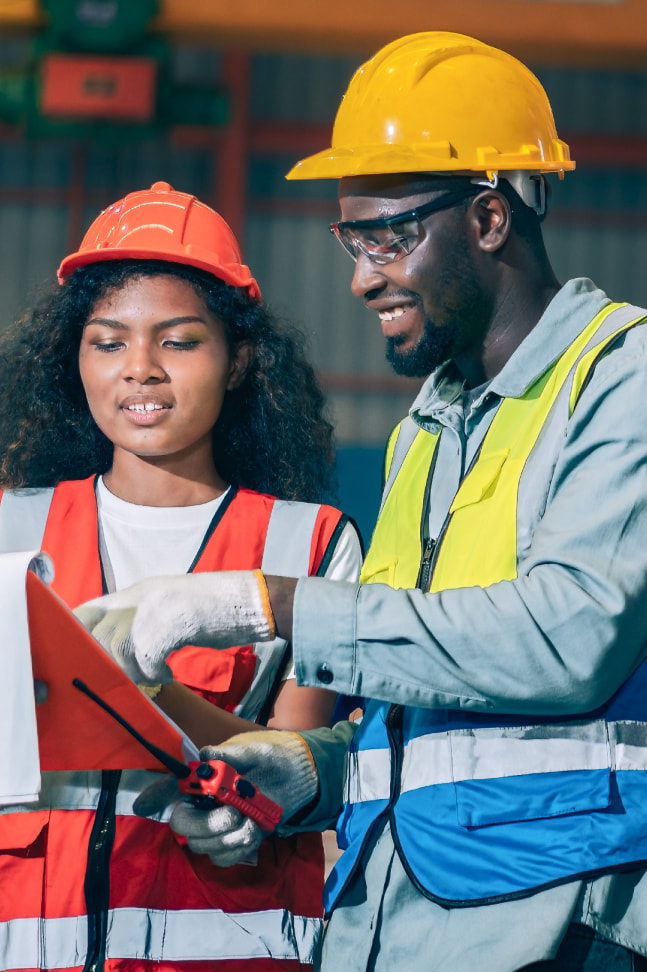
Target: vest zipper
(394, 727)
(431, 547)
(97, 874)
(427, 543)
(424, 573)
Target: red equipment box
(122, 88)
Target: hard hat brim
(339, 163)
(236, 278)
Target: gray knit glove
(279, 763)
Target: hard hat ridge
(162, 224)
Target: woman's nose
(142, 364)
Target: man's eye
(404, 231)
(402, 241)
(382, 238)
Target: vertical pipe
(76, 199)
(233, 150)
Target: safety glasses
(391, 238)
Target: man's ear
(240, 362)
(493, 220)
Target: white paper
(19, 762)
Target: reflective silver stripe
(289, 538)
(176, 936)
(368, 775)
(286, 554)
(622, 315)
(406, 435)
(495, 753)
(81, 791)
(23, 515)
(156, 936)
(483, 754)
(628, 744)
(58, 943)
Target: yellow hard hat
(440, 102)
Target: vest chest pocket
(513, 774)
(481, 480)
(383, 572)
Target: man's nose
(367, 276)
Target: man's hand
(141, 625)
(279, 763)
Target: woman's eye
(181, 345)
(107, 345)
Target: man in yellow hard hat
(493, 812)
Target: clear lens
(390, 238)
(384, 244)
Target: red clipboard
(74, 733)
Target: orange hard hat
(162, 224)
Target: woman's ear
(240, 362)
(493, 220)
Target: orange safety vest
(85, 884)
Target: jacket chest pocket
(529, 773)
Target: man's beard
(432, 350)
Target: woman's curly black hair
(271, 436)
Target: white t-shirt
(155, 541)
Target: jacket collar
(569, 312)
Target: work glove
(141, 625)
(279, 763)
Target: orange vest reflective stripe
(156, 901)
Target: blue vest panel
(484, 810)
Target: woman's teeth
(145, 407)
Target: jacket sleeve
(558, 639)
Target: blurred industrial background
(101, 97)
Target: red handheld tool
(215, 782)
(206, 783)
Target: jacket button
(325, 675)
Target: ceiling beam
(578, 32)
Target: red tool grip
(214, 781)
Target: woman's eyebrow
(159, 326)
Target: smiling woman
(175, 424)
(156, 366)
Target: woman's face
(155, 367)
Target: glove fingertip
(88, 615)
(212, 752)
(153, 672)
(156, 798)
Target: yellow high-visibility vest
(478, 545)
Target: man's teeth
(145, 407)
(390, 315)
